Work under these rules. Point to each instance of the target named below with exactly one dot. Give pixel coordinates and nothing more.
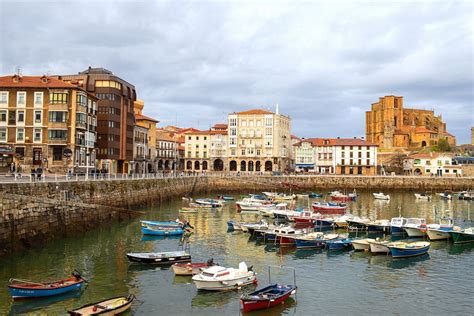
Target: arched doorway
(243, 166)
(417, 172)
(258, 166)
(173, 166)
(150, 168)
(268, 166)
(250, 165)
(204, 165)
(189, 165)
(423, 144)
(160, 164)
(233, 165)
(196, 165)
(167, 164)
(218, 165)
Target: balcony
(81, 125)
(81, 108)
(57, 141)
(61, 125)
(58, 107)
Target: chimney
(44, 79)
(16, 78)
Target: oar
(25, 281)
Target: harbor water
(337, 283)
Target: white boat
(251, 227)
(283, 197)
(381, 196)
(362, 244)
(441, 231)
(381, 246)
(249, 205)
(302, 196)
(445, 196)
(415, 227)
(341, 221)
(217, 278)
(267, 209)
(285, 214)
(397, 224)
(422, 196)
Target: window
(57, 134)
(38, 99)
(3, 116)
(12, 117)
(197, 137)
(4, 97)
(108, 84)
(37, 135)
(58, 98)
(21, 117)
(21, 99)
(20, 134)
(57, 116)
(205, 138)
(37, 116)
(57, 153)
(3, 134)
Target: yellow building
(150, 124)
(389, 125)
(197, 148)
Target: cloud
(195, 61)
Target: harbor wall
(35, 212)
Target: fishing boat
(442, 230)
(423, 196)
(191, 268)
(409, 249)
(313, 195)
(357, 224)
(249, 204)
(466, 195)
(305, 217)
(341, 221)
(463, 236)
(339, 244)
(226, 197)
(323, 222)
(415, 227)
(213, 203)
(445, 196)
(396, 225)
(381, 196)
(165, 224)
(283, 197)
(251, 227)
(302, 195)
(159, 258)
(28, 289)
(379, 226)
(110, 306)
(380, 246)
(234, 225)
(362, 244)
(314, 240)
(268, 209)
(287, 238)
(340, 197)
(217, 278)
(286, 215)
(269, 296)
(329, 208)
(162, 231)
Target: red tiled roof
(220, 126)
(198, 132)
(255, 111)
(218, 132)
(430, 155)
(421, 130)
(336, 142)
(145, 118)
(34, 82)
(294, 137)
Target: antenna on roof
(18, 71)
(277, 110)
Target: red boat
(306, 217)
(267, 297)
(286, 240)
(329, 208)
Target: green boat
(463, 236)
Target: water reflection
(213, 299)
(402, 263)
(27, 306)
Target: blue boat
(309, 244)
(230, 225)
(162, 224)
(226, 197)
(24, 289)
(397, 225)
(160, 231)
(313, 195)
(410, 249)
(339, 244)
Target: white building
(434, 163)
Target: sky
(193, 62)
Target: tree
(443, 145)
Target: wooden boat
(362, 244)
(164, 224)
(111, 306)
(422, 196)
(191, 268)
(409, 249)
(380, 246)
(24, 288)
(217, 278)
(162, 231)
(381, 196)
(329, 208)
(159, 258)
(314, 240)
(463, 236)
(269, 296)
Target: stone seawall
(41, 211)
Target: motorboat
(323, 222)
(269, 296)
(159, 258)
(251, 227)
(463, 236)
(314, 240)
(305, 217)
(329, 207)
(415, 227)
(409, 249)
(162, 224)
(357, 223)
(381, 196)
(362, 244)
(110, 306)
(379, 226)
(285, 215)
(283, 197)
(397, 225)
(341, 221)
(423, 196)
(268, 209)
(213, 203)
(217, 278)
(445, 196)
(250, 205)
(442, 230)
(287, 237)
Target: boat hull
(397, 230)
(434, 234)
(248, 304)
(414, 232)
(404, 253)
(162, 232)
(361, 245)
(378, 248)
(160, 261)
(188, 269)
(227, 285)
(16, 292)
(460, 237)
(91, 309)
(309, 244)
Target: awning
(305, 165)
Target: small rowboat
(161, 258)
(111, 306)
(24, 288)
(159, 231)
(266, 297)
(191, 268)
(411, 249)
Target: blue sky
(193, 62)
